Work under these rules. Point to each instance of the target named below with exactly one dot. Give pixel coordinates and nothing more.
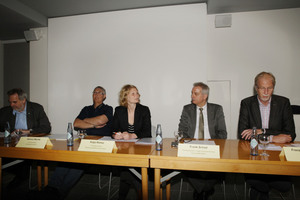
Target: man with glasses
(272, 115)
(96, 119)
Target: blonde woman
(131, 119)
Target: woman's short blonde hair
(124, 93)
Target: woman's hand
(118, 136)
(126, 136)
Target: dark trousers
(65, 177)
(21, 170)
(262, 184)
(202, 181)
(127, 180)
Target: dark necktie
(201, 125)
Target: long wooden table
(234, 157)
(128, 154)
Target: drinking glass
(178, 135)
(264, 140)
(81, 133)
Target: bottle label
(253, 144)
(69, 136)
(158, 139)
(6, 133)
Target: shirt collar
(98, 107)
(204, 107)
(261, 104)
(24, 111)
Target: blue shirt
(21, 119)
(90, 111)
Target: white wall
(160, 50)
(257, 41)
(164, 41)
(39, 70)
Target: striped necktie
(201, 125)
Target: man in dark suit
(202, 120)
(25, 118)
(23, 115)
(271, 115)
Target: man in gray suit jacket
(214, 128)
(214, 121)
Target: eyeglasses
(264, 89)
(98, 93)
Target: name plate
(198, 151)
(97, 146)
(34, 142)
(291, 153)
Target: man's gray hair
(21, 94)
(102, 88)
(205, 88)
(264, 74)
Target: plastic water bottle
(70, 138)
(7, 135)
(254, 143)
(159, 139)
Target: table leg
(145, 183)
(39, 176)
(0, 178)
(46, 175)
(156, 183)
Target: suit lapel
(210, 113)
(273, 111)
(256, 112)
(193, 119)
(29, 116)
(12, 119)
(126, 117)
(136, 114)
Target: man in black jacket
(272, 115)
(23, 115)
(26, 118)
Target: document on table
(108, 138)
(270, 147)
(146, 141)
(293, 145)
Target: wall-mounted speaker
(222, 21)
(32, 35)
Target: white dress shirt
(206, 130)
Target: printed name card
(34, 142)
(198, 151)
(291, 153)
(97, 146)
